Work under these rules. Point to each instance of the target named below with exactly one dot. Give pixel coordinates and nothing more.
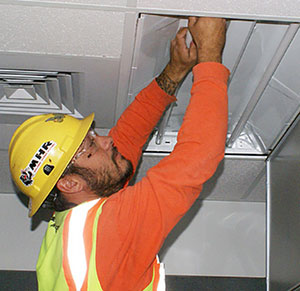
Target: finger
(192, 20)
(193, 51)
(173, 44)
(182, 32)
(192, 44)
(179, 34)
(181, 42)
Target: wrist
(175, 73)
(209, 56)
(166, 83)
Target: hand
(182, 58)
(209, 36)
(181, 61)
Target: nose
(105, 142)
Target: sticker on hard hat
(48, 169)
(35, 163)
(57, 117)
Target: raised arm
(144, 214)
(169, 189)
(138, 120)
(178, 179)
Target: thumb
(192, 21)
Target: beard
(104, 182)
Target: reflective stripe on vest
(76, 248)
(80, 271)
(161, 283)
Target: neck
(79, 197)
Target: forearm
(201, 138)
(166, 83)
(205, 120)
(170, 188)
(138, 120)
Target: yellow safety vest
(67, 261)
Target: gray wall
(284, 213)
(222, 235)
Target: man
(105, 235)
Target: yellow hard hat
(40, 150)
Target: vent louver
(24, 92)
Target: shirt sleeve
(143, 215)
(138, 120)
(169, 188)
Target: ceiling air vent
(25, 92)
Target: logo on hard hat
(26, 177)
(58, 117)
(35, 163)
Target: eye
(92, 144)
(92, 147)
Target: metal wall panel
(283, 265)
(20, 238)
(218, 238)
(224, 234)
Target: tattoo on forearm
(165, 83)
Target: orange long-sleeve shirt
(136, 220)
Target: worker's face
(98, 161)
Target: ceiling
(236, 179)
(264, 88)
(83, 56)
(77, 57)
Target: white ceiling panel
(97, 70)
(85, 56)
(87, 2)
(61, 31)
(235, 179)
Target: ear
(70, 184)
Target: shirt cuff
(211, 70)
(158, 94)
